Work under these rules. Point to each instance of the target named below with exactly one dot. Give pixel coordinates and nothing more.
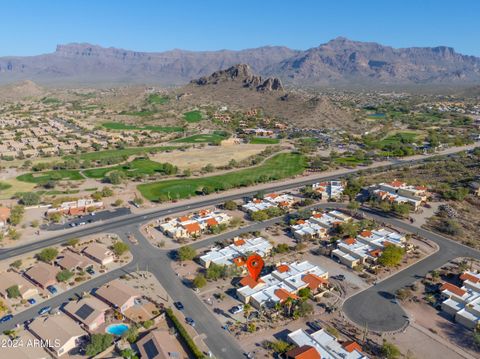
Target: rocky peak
(241, 73)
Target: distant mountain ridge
(338, 62)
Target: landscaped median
(184, 334)
(281, 166)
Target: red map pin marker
(255, 266)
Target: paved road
(61, 298)
(375, 307)
(144, 217)
(370, 307)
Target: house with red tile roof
(283, 283)
(193, 225)
(237, 252)
(324, 344)
(463, 303)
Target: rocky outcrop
(242, 74)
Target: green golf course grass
(206, 138)
(139, 166)
(264, 141)
(53, 175)
(124, 126)
(129, 151)
(193, 116)
(283, 165)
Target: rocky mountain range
(340, 62)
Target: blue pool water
(117, 329)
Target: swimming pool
(117, 329)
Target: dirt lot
(196, 158)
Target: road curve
(375, 307)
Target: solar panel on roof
(84, 311)
(151, 349)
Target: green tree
(391, 256)
(98, 343)
(128, 354)
(216, 271)
(402, 209)
(13, 292)
(119, 248)
(115, 177)
(64, 275)
(199, 281)
(131, 334)
(29, 198)
(186, 253)
(390, 351)
(47, 255)
(16, 264)
(16, 215)
(230, 205)
(148, 324)
(304, 293)
(259, 216)
(280, 346)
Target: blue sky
(29, 27)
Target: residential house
(159, 344)
(237, 252)
(329, 189)
(400, 192)
(306, 230)
(463, 304)
(194, 224)
(43, 274)
(10, 279)
(283, 201)
(324, 345)
(71, 260)
(284, 282)
(366, 247)
(60, 332)
(118, 294)
(89, 311)
(75, 208)
(99, 253)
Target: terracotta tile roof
(256, 200)
(183, 218)
(376, 252)
(350, 241)
(283, 294)
(239, 261)
(469, 277)
(453, 288)
(272, 195)
(283, 204)
(300, 221)
(282, 268)
(212, 222)
(313, 281)
(396, 183)
(303, 352)
(351, 346)
(366, 233)
(204, 212)
(248, 280)
(4, 213)
(192, 227)
(421, 188)
(239, 242)
(317, 215)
